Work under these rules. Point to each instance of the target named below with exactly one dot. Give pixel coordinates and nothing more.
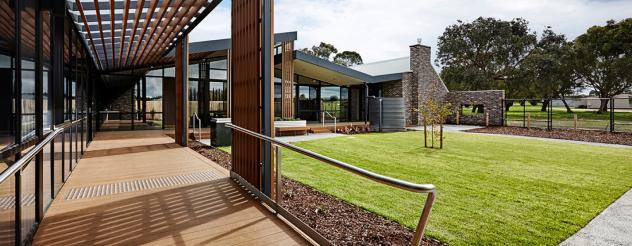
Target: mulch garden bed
(338, 221)
(576, 135)
(217, 155)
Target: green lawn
(491, 189)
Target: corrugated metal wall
(387, 114)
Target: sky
(380, 30)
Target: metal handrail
(28, 157)
(195, 116)
(330, 115)
(397, 183)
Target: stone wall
(424, 82)
(492, 102)
(120, 99)
(392, 89)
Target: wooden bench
(291, 131)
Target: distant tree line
(490, 53)
(329, 52)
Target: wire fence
(603, 114)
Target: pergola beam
(134, 33)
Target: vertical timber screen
(251, 99)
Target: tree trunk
(568, 109)
(545, 104)
(604, 106)
(508, 105)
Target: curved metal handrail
(30, 155)
(196, 117)
(397, 183)
(331, 116)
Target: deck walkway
(140, 188)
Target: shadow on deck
(134, 190)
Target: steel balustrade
(397, 183)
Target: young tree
(548, 68)
(348, 58)
(434, 112)
(603, 59)
(484, 54)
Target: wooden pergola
(126, 34)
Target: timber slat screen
(247, 88)
(131, 34)
(287, 77)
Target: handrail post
(423, 220)
(404, 185)
(277, 151)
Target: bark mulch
(576, 135)
(217, 155)
(338, 221)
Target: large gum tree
(603, 59)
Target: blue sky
(380, 30)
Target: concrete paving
(612, 227)
(309, 137)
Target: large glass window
(46, 65)
(278, 107)
(27, 45)
(153, 103)
(218, 93)
(193, 97)
(7, 72)
(7, 75)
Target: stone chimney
(419, 56)
(425, 80)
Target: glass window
(153, 103)
(194, 71)
(170, 72)
(220, 64)
(217, 98)
(156, 72)
(193, 97)
(27, 45)
(7, 77)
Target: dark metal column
(144, 100)
(268, 93)
(182, 89)
(39, 118)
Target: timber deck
(138, 187)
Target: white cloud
(380, 29)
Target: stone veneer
(121, 100)
(392, 89)
(422, 82)
(492, 102)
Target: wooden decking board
(216, 212)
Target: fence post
(441, 136)
(524, 111)
(575, 121)
(612, 114)
(458, 117)
(486, 119)
(529, 121)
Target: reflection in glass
(153, 103)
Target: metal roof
(124, 34)
(386, 67)
(225, 44)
